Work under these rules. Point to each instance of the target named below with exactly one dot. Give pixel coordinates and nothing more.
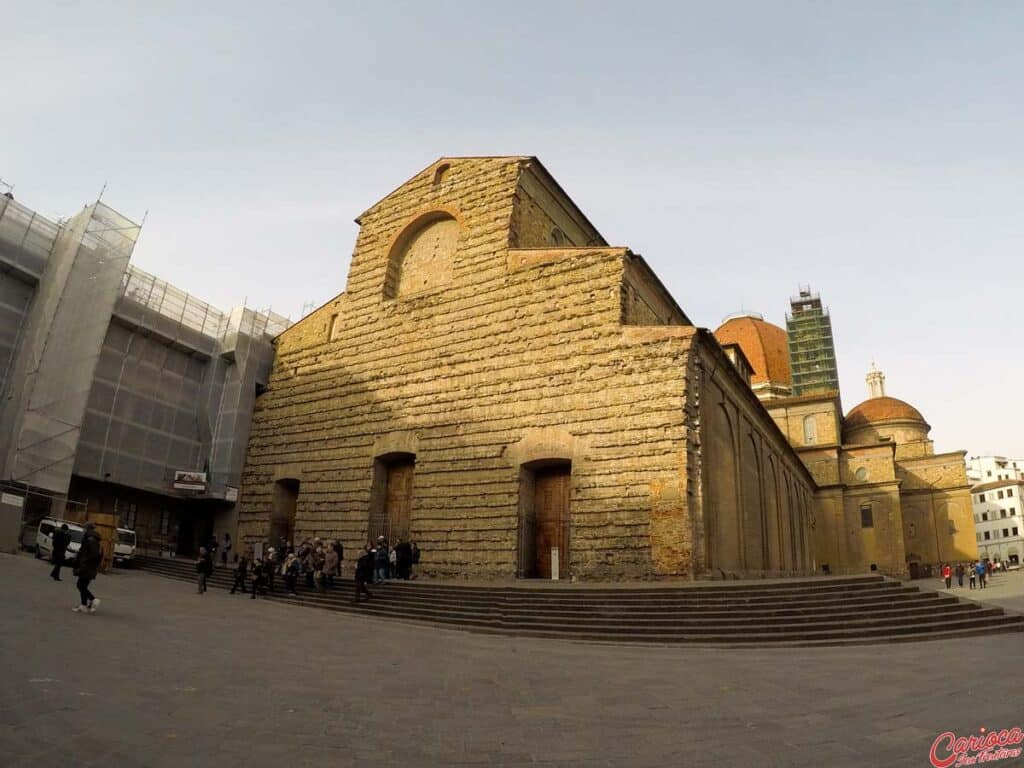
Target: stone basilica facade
(502, 386)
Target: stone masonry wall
(475, 377)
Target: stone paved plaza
(164, 677)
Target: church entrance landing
(544, 520)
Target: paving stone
(219, 680)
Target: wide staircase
(810, 611)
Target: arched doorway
(391, 497)
(544, 519)
(284, 504)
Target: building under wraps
(114, 383)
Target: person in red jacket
(947, 574)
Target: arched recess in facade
(723, 508)
(774, 529)
(752, 526)
(794, 524)
(422, 255)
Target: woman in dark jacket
(364, 573)
(90, 554)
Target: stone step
(726, 623)
(839, 611)
(587, 596)
(707, 635)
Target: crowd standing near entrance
(319, 563)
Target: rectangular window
(867, 518)
(977, 518)
(129, 513)
(165, 522)
(1000, 494)
(986, 536)
(1009, 493)
(1002, 513)
(1013, 511)
(1006, 533)
(332, 326)
(984, 516)
(981, 497)
(979, 536)
(1015, 533)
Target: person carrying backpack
(90, 555)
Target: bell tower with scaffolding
(812, 352)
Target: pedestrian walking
(241, 569)
(204, 567)
(319, 565)
(980, 570)
(947, 574)
(269, 569)
(271, 564)
(364, 573)
(309, 566)
(225, 549)
(403, 559)
(90, 554)
(974, 576)
(61, 539)
(259, 578)
(291, 573)
(960, 575)
(381, 560)
(331, 564)
(340, 552)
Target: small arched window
(810, 430)
(557, 237)
(441, 174)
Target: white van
(44, 538)
(124, 549)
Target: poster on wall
(230, 494)
(190, 481)
(12, 499)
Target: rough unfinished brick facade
(500, 385)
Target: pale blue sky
(873, 150)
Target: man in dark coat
(364, 573)
(204, 567)
(241, 569)
(61, 539)
(403, 559)
(90, 554)
(381, 561)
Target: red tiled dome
(765, 346)
(881, 409)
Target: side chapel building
(885, 499)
